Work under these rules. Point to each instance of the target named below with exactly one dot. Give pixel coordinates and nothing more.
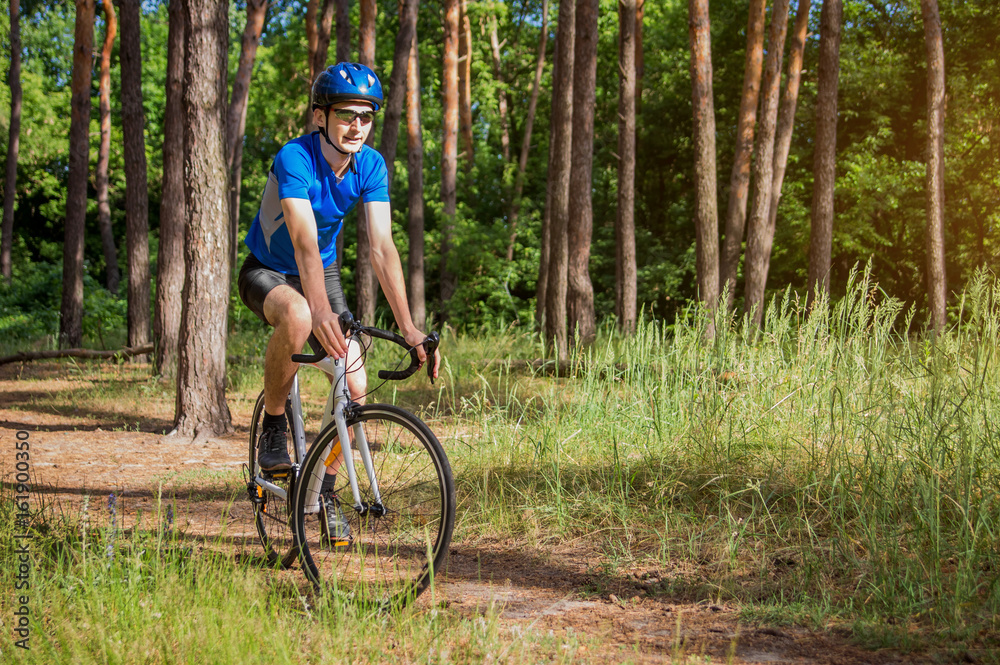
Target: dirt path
(76, 462)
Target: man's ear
(319, 117)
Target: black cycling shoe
(272, 450)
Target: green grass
(101, 594)
(834, 468)
(838, 468)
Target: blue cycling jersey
(299, 171)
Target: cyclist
(291, 279)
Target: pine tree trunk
(104, 151)
(580, 293)
(789, 102)
(343, 18)
(449, 152)
(501, 90)
(365, 280)
(937, 282)
(343, 54)
(323, 28)
(136, 188)
(739, 180)
(415, 289)
(13, 142)
(760, 236)
(397, 85)
(236, 117)
(560, 164)
(170, 260)
(71, 310)
(626, 278)
(640, 58)
(201, 376)
(529, 123)
(312, 40)
(312, 9)
(825, 159)
(465, 83)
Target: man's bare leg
(288, 312)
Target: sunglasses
(348, 117)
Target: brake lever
(430, 347)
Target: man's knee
(290, 313)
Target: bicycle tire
(272, 515)
(392, 558)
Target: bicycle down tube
(337, 403)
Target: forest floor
(83, 450)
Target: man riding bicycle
(291, 279)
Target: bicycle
(401, 509)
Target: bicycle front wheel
(396, 546)
(271, 511)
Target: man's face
(349, 124)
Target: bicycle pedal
(277, 475)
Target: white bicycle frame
(336, 403)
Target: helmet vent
(343, 74)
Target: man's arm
(389, 270)
(301, 225)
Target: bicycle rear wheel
(272, 513)
(395, 548)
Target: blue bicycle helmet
(344, 82)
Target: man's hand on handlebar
(326, 327)
(415, 338)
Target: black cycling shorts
(256, 280)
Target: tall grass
(833, 460)
(106, 592)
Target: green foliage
(881, 146)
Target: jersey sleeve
(374, 177)
(293, 169)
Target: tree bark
(449, 151)
(760, 236)
(312, 38)
(13, 141)
(580, 290)
(71, 310)
(236, 118)
(501, 90)
(789, 102)
(465, 82)
(343, 18)
(343, 54)
(825, 158)
(323, 28)
(937, 282)
(312, 8)
(104, 151)
(626, 274)
(397, 84)
(560, 164)
(201, 377)
(366, 282)
(640, 58)
(529, 123)
(136, 188)
(170, 260)
(415, 168)
(739, 180)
